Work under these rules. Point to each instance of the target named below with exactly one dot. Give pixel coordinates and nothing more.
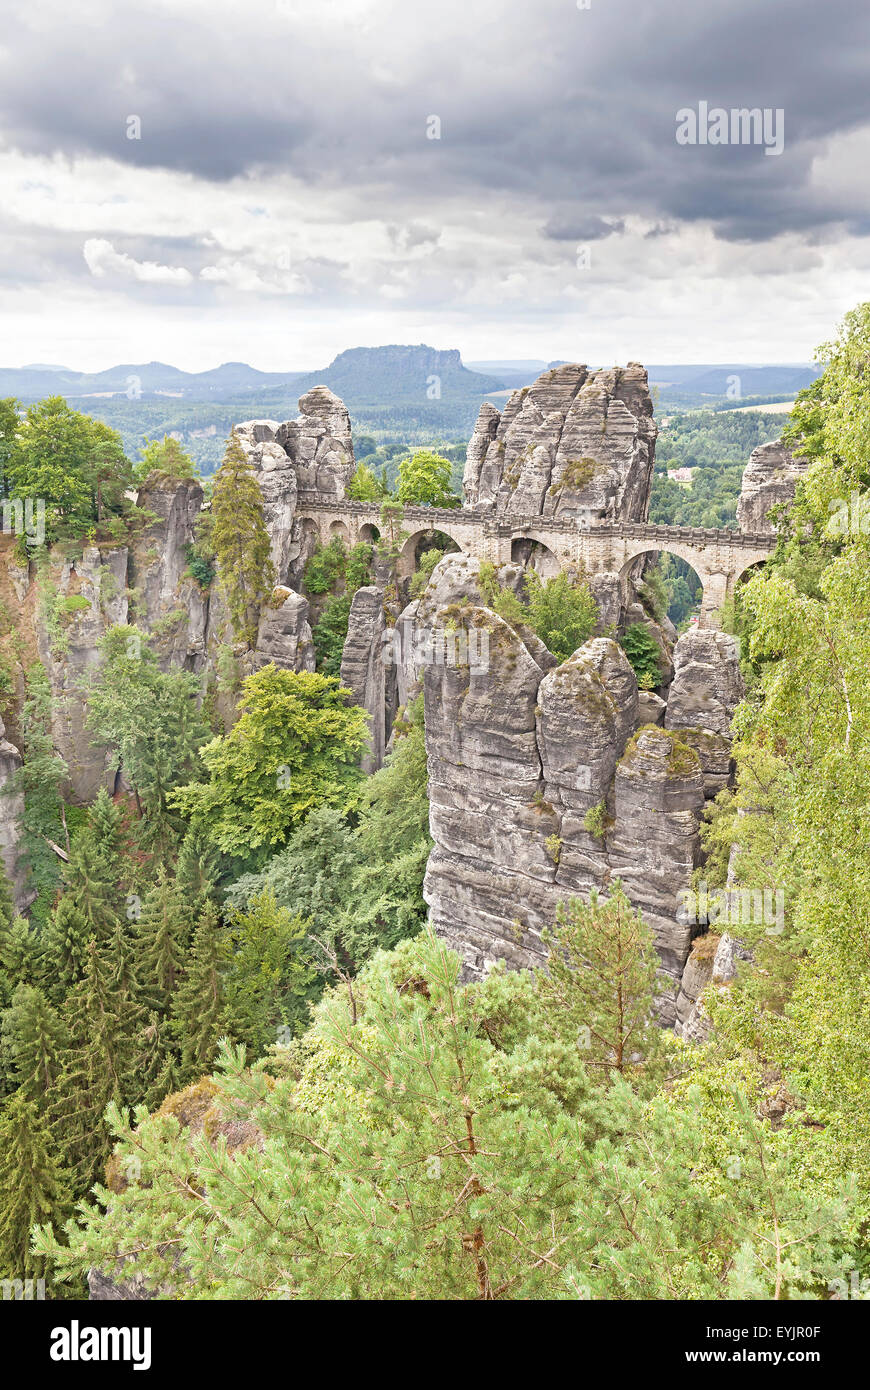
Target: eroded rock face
(11, 810)
(707, 684)
(314, 451)
(519, 754)
(90, 597)
(171, 607)
(366, 669)
(284, 635)
(572, 444)
(769, 480)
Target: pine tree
(197, 1011)
(32, 1188)
(33, 1042)
(163, 933)
(240, 540)
(102, 1063)
(600, 983)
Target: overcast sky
(284, 200)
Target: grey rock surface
(284, 634)
(707, 685)
(519, 754)
(11, 809)
(573, 444)
(769, 480)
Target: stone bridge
(719, 558)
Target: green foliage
(240, 540)
(32, 1187)
(164, 461)
(365, 486)
(562, 612)
(423, 573)
(294, 748)
(151, 723)
(336, 569)
(269, 977)
(600, 983)
(325, 566)
(595, 820)
(76, 464)
(40, 779)
(198, 1004)
(644, 655)
(425, 480)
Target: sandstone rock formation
(367, 669)
(572, 444)
(314, 451)
(707, 685)
(11, 809)
(519, 754)
(170, 605)
(769, 480)
(284, 634)
(82, 599)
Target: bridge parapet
(719, 557)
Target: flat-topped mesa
(314, 452)
(769, 480)
(574, 443)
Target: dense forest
(233, 1054)
(716, 446)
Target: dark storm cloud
(566, 226)
(571, 109)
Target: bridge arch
(534, 554)
(425, 538)
(678, 552)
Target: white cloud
(102, 259)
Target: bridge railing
(502, 524)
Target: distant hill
(681, 387)
(405, 394)
(375, 376)
(33, 382)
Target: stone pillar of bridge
(716, 589)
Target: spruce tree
(104, 821)
(240, 540)
(66, 939)
(102, 1063)
(92, 879)
(32, 1188)
(196, 870)
(163, 933)
(33, 1042)
(198, 1006)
